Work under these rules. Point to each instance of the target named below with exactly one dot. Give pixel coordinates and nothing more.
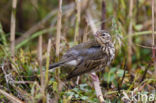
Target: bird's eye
(103, 34)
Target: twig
(11, 97)
(130, 38)
(22, 82)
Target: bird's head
(103, 37)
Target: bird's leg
(97, 87)
(78, 79)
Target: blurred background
(36, 23)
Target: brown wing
(87, 44)
(88, 66)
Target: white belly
(72, 63)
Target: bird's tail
(60, 63)
(56, 65)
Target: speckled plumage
(91, 56)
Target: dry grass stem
(78, 8)
(85, 34)
(59, 19)
(129, 33)
(12, 98)
(40, 57)
(40, 67)
(47, 62)
(13, 27)
(153, 41)
(59, 26)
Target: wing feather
(87, 66)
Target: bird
(90, 56)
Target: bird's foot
(94, 77)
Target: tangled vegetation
(45, 29)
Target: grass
(20, 78)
